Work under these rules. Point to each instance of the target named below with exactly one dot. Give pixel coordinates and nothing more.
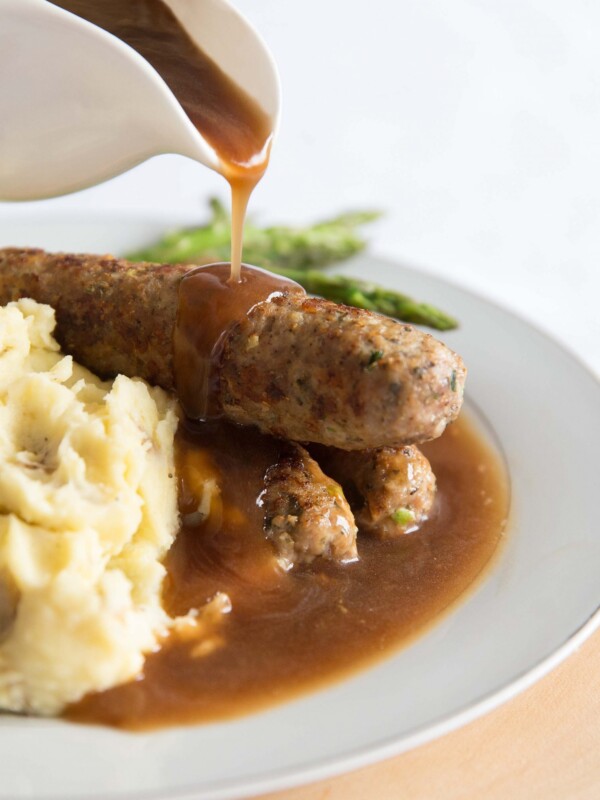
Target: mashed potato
(88, 508)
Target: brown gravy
(208, 305)
(232, 123)
(290, 633)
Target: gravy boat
(78, 105)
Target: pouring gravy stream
(232, 123)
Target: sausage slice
(391, 490)
(306, 513)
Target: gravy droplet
(209, 304)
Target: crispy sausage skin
(296, 367)
(337, 375)
(391, 490)
(306, 513)
(112, 316)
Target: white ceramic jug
(78, 106)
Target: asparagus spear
(364, 294)
(280, 247)
(297, 253)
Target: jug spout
(78, 105)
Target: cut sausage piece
(296, 367)
(391, 489)
(306, 513)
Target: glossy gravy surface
(232, 122)
(288, 633)
(209, 303)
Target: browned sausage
(306, 513)
(300, 368)
(391, 489)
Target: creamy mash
(88, 508)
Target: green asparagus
(276, 247)
(299, 254)
(364, 294)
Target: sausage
(297, 367)
(391, 490)
(306, 513)
(112, 316)
(338, 375)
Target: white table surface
(475, 126)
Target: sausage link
(296, 367)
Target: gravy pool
(292, 633)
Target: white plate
(536, 605)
